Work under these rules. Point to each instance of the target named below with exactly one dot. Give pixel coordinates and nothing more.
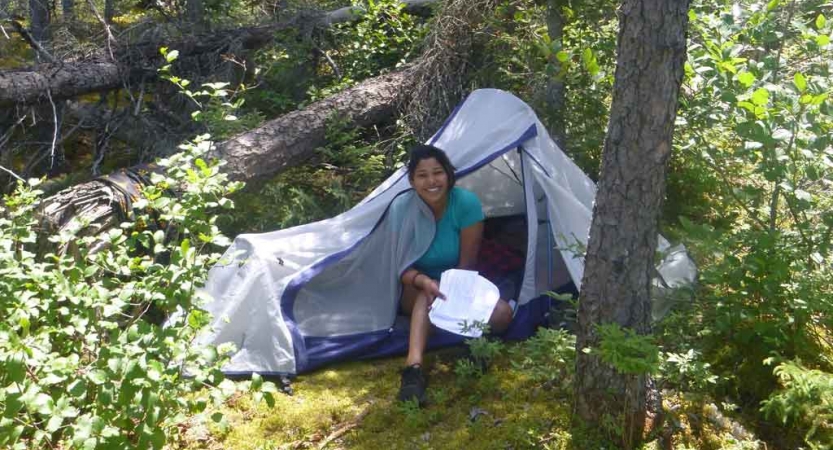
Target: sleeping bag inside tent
(296, 299)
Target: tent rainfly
(295, 299)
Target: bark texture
(623, 235)
(60, 80)
(69, 79)
(293, 137)
(261, 152)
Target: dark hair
(424, 151)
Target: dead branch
(441, 73)
(342, 430)
(24, 33)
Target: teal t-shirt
(463, 210)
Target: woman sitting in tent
(459, 231)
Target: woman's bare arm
(470, 238)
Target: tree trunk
(264, 151)
(70, 79)
(554, 89)
(195, 13)
(623, 235)
(39, 21)
(68, 10)
(109, 11)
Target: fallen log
(62, 80)
(289, 139)
(264, 151)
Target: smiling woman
(459, 231)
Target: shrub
(85, 361)
(806, 399)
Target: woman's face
(430, 181)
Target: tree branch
(30, 40)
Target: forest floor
(353, 406)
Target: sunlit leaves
(747, 79)
(766, 134)
(800, 82)
(76, 339)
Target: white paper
(469, 298)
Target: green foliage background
(749, 192)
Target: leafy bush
(384, 38)
(482, 351)
(549, 355)
(755, 112)
(687, 372)
(626, 351)
(85, 361)
(806, 398)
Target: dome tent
(295, 299)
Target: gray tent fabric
(370, 272)
(329, 289)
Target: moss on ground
(501, 410)
(352, 406)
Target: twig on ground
(342, 430)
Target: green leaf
(77, 388)
(781, 134)
(54, 423)
(760, 97)
(800, 82)
(747, 106)
(98, 377)
(257, 382)
(819, 99)
(820, 21)
(172, 55)
(822, 40)
(772, 5)
(803, 195)
(16, 369)
(42, 403)
(562, 56)
(746, 79)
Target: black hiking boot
(413, 385)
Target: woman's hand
(430, 286)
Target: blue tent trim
(323, 351)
